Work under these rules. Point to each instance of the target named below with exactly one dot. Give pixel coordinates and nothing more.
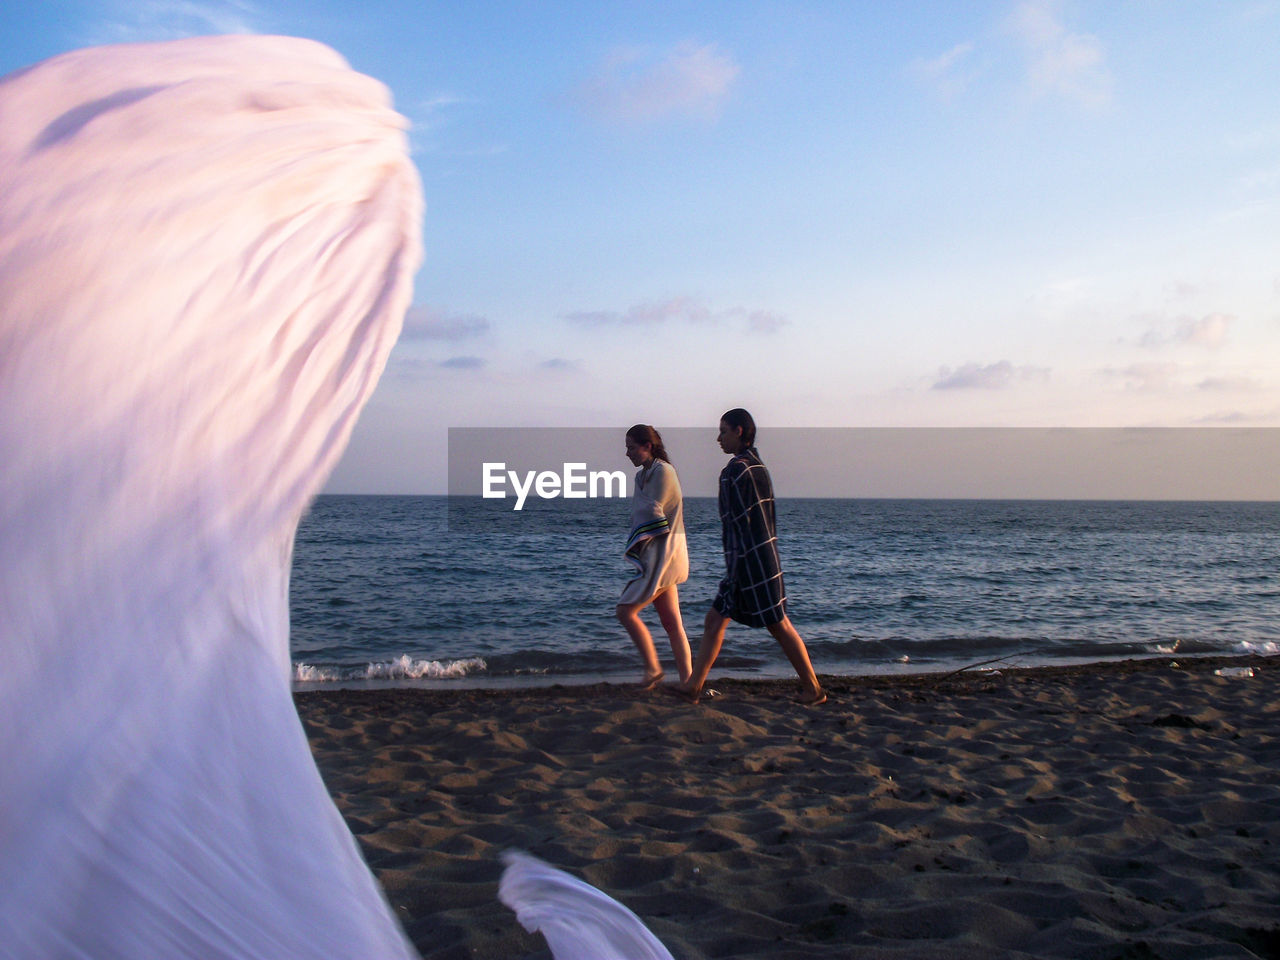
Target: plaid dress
(752, 590)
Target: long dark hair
(643, 433)
(737, 417)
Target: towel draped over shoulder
(656, 543)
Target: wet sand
(1124, 810)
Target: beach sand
(1123, 810)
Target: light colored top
(656, 543)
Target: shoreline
(777, 673)
(1111, 809)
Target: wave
(868, 652)
(403, 667)
(758, 657)
(1261, 648)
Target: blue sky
(863, 214)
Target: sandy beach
(1124, 810)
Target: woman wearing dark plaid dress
(752, 591)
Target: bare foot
(813, 699)
(651, 680)
(684, 692)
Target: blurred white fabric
(579, 922)
(206, 251)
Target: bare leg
(629, 617)
(708, 649)
(793, 646)
(667, 603)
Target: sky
(1016, 213)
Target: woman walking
(752, 591)
(657, 547)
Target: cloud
(441, 101)
(993, 376)
(154, 20)
(1153, 339)
(430, 115)
(762, 321)
(434, 130)
(634, 87)
(1228, 384)
(1060, 63)
(427, 323)
(640, 314)
(1239, 417)
(1209, 332)
(1144, 377)
(681, 310)
(1260, 179)
(463, 363)
(558, 365)
(947, 73)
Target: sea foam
(403, 667)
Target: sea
(412, 591)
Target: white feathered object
(206, 252)
(579, 922)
